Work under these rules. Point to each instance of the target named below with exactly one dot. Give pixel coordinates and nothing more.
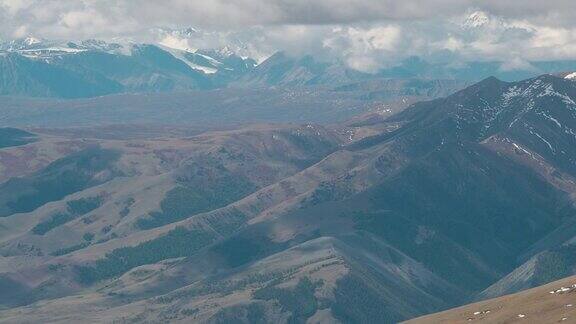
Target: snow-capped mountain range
(46, 68)
(205, 60)
(186, 59)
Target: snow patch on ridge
(550, 92)
(554, 120)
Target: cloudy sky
(366, 34)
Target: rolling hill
(550, 303)
(374, 220)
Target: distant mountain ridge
(44, 68)
(91, 68)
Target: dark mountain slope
(453, 193)
(502, 167)
(91, 73)
(147, 69)
(15, 137)
(68, 175)
(20, 76)
(282, 69)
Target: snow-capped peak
(225, 51)
(477, 19)
(571, 76)
(178, 43)
(190, 31)
(36, 48)
(21, 44)
(31, 41)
